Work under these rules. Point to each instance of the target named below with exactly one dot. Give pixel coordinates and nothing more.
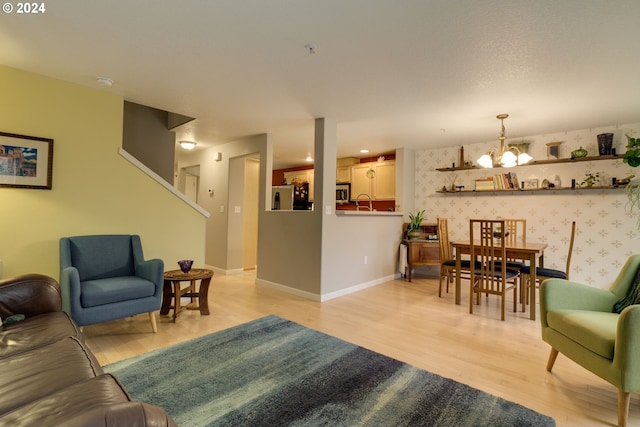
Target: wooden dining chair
(545, 273)
(491, 277)
(517, 229)
(447, 261)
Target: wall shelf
(536, 190)
(539, 162)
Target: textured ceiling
(393, 74)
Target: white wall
(606, 233)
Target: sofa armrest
(70, 287)
(559, 294)
(29, 294)
(627, 348)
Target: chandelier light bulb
(509, 155)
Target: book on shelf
(504, 181)
(485, 184)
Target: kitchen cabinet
(343, 169)
(343, 175)
(377, 179)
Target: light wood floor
(406, 321)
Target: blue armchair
(105, 277)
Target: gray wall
(146, 137)
(312, 253)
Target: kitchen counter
(367, 213)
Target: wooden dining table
(514, 250)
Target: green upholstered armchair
(579, 321)
(105, 277)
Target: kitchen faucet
(364, 195)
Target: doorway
(191, 180)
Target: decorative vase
(605, 141)
(185, 265)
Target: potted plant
(413, 230)
(632, 158)
(632, 155)
(590, 179)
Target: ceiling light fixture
(104, 81)
(507, 155)
(309, 159)
(188, 145)
(364, 151)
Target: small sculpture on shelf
(452, 179)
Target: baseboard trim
(328, 296)
(288, 289)
(356, 288)
(223, 272)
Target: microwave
(343, 193)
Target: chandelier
(507, 155)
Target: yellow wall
(95, 190)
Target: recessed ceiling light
(104, 81)
(187, 145)
(364, 151)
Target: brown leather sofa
(48, 375)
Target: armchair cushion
(102, 256)
(115, 289)
(595, 331)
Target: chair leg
(552, 359)
(152, 317)
(623, 408)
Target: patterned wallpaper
(606, 232)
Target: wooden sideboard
(422, 251)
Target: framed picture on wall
(530, 184)
(26, 161)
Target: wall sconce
(188, 145)
(218, 157)
(507, 155)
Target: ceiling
(411, 73)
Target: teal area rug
(273, 372)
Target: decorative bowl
(580, 152)
(185, 265)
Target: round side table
(173, 290)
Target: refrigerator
(290, 197)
